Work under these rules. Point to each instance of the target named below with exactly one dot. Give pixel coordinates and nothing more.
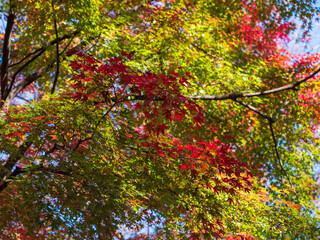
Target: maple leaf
(183, 167)
(177, 116)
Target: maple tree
(187, 116)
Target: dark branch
(27, 56)
(6, 54)
(6, 169)
(270, 119)
(22, 98)
(202, 50)
(27, 81)
(12, 161)
(67, 46)
(66, 36)
(103, 116)
(60, 39)
(22, 67)
(56, 171)
(19, 171)
(234, 96)
(33, 77)
(51, 150)
(279, 159)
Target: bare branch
(51, 150)
(66, 36)
(22, 98)
(104, 115)
(67, 46)
(232, 96)
(12, 161)
(202, 50)
(133, 9)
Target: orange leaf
(53, 137)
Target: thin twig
(68, 44)
(202, 50)
(104, 115)
(270, 119)
(51, 150)
(36, 75)
(6, 169)
(23, 99)
(279, 160)
(39, 52)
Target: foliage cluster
(188, 116)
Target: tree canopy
(191, 117)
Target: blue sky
(313, 46)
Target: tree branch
(22, 67)
(19, 171)
(103, 116)
(202, 50)
(133, 9)
(31, 78)
(6, 54)
(22, 98)
(279, 160)
(60, 39)
(27, 81)
(234, 96)
(6, 169)
(25, 57)
(270, 119)
(79, 142)
(67, 46)
(10, 164)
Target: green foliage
(152, 121)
